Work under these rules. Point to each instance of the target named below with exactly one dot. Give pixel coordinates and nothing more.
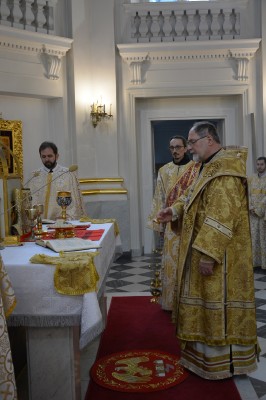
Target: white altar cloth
(38, 303)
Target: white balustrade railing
(189, 25)
(184, 21)
(30, 15)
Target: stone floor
(132, 277)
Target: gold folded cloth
(102, 221)
(7, 296)
(75, 272)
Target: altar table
(57, 325)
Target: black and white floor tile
(133, 275)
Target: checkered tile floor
(134, 275)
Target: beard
(50, 165)
(196, 158)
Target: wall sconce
(98, 113)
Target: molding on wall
(237, 52)
(26, 42)
(221, 4)
(103, 191)
(103, 181)
(48, 49)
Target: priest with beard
(51, 178)
(214, 308)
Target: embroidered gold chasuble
(7, 304)
(257, 202)
(172, 181)
(215, 314)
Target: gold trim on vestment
(47, 195)
(217, 225)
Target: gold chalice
(39, 211)
(64, 199)
(32, 214)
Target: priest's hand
(206, 267)
(165, 215)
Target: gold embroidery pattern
(75, 272)
(172, 181)
(138, 371)
(7, 305)
(218, 309)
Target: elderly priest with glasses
(214, 305)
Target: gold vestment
(257, 203)
(7, 304)
(216, 312)
(172, 181)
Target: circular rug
(138, 371)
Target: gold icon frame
(11, 138)
(11, 170)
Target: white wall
(59, 110)
(94, 78)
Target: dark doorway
(164, 130)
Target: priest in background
(257, 213)
(173, 179)
(51, 178)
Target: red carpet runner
(135, 323)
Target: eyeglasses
(172, 148)
(191, 142)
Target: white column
(263, 60)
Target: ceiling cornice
(21, 41)
(48, 49)
(238, 52)
(186, 51)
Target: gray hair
(204, 128)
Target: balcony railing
(30, 15)
(189, 25)
(183, 21)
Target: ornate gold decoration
(103, 181)
(64, 199)
(138, 371)
(39, 211)
(32, 214)
(11, 167)
(75, 272)
(156, 283)
(103, 191)
(98, 113)
(11, 137)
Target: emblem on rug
(138, 371)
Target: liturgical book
(69, 244)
